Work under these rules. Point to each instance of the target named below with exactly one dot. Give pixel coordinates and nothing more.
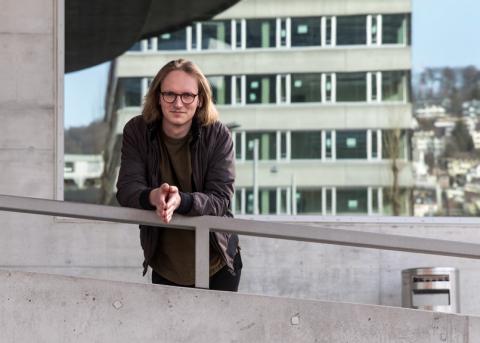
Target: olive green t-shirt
(174, 258)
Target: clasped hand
(166, 199)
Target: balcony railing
(271, 227)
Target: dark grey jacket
(213, 175)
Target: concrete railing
(271, 228)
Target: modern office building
(316, 93)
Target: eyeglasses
(171, 97)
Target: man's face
(178, 115)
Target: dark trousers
(223, 280)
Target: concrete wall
(42, 308)
(31, 154)
(327, 272)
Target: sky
(444, 33)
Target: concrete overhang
(98, 31)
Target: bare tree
(393, 145)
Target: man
(178, 158)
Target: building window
(306, 32)
(328, 28)
(239, 142)
(216, 35)
(373, 87)
(309, 201)
(393, 86)
(221, 89)
(267, 145)
(351, 144)
(351, 30)
(283, 32)
(238, 205)
(238, 33)
(261, 33)
(329, 139)
(328, 198)
(375, 200)
(268, 201)
(374, 32)
(195, 32)
(306, 145)
(375, 138)
(306, 87)
(173, 40)
(238, 86)
(351, 87)
(394, 29)
(261, 89)
(328, 87)
(352, 201)
(130, 91)
(283, 143)
(283, 89)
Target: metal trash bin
(434, 288)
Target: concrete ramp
(48, 308)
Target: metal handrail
(204, 224)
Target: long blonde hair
(206, 113)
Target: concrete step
(50, 308)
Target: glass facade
(338, 201)
(352, 30)
(216, 35)
(261, 33)
(351, 144)
(339, 144)
(306, 144)
(394, 85)
(394, 29)
(268, 201)
(351, 87)
(309, 201)
(261, 89)
(267, 145)
(311, 88)
(306, 88)
(306, 31)
(221, 89)
(173, 40)
(352, 201)
(129, 91)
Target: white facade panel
(266, 61)
(341, 173)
